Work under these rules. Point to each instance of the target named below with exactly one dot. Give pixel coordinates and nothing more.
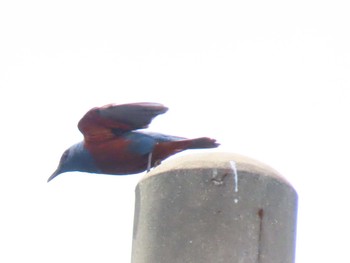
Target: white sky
(268, 79)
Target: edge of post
(216, 160)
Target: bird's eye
(64, 156)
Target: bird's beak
(57, 172)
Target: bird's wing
(103, 123)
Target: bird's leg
(149, 164)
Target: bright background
(268, 79)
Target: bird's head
(65, 165)
(76, 158)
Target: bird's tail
(202, 142)
(165, 149)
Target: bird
(116, 143)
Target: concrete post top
(214, 207)
(216, 160)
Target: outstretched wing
(103, 123)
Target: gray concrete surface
(214, 207)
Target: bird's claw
(149, 162)
(156, 163)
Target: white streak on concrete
(235, 177)
(215, 173)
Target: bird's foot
(149, 162)
(156, 163)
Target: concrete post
(214, 208)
